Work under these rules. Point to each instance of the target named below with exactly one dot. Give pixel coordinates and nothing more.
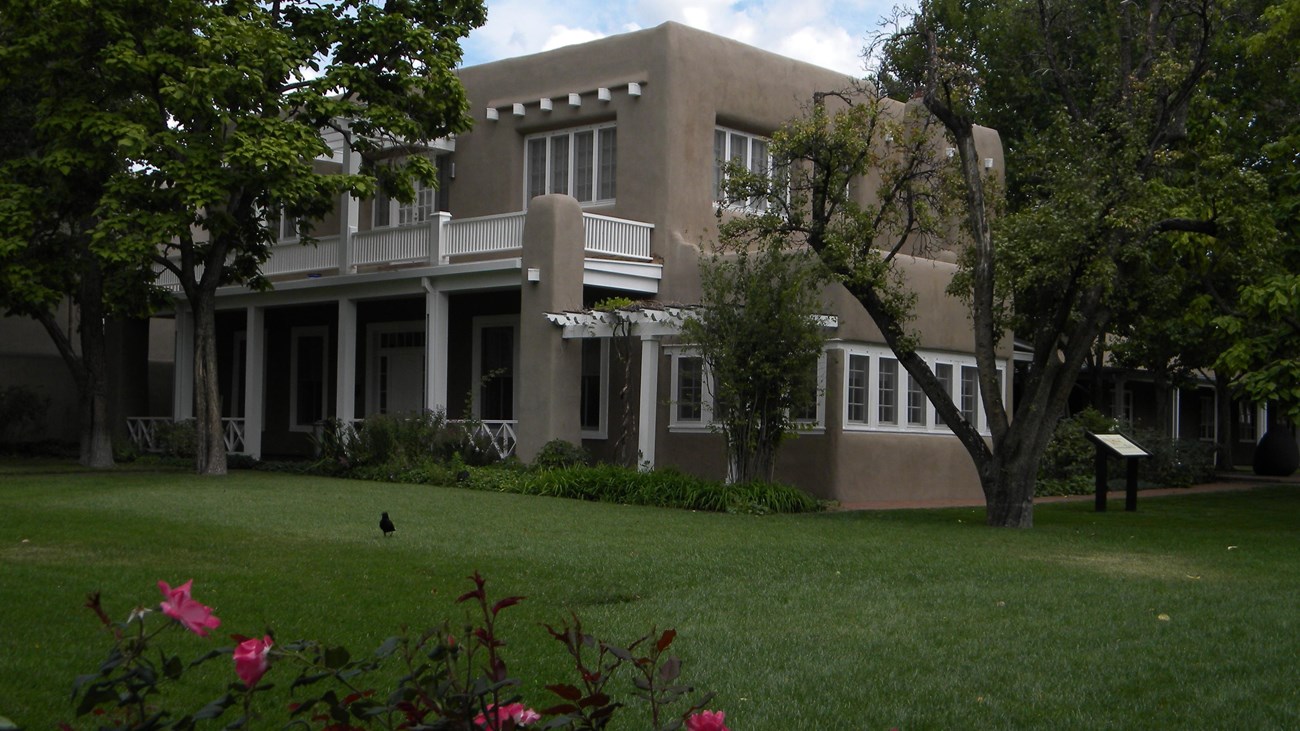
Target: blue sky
(828, 33)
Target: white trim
(705, 423)
(549, 171)
(900, 425)
(374, 333)
(295, 335)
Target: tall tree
(760, 340)
(230, 103)
(52, 173)
(1093, 102)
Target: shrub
(178, 438)
(558, 454)
(22, 413)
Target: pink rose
(250, 659)
(509, 716)
(707, 721)
(178, 605)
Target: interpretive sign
(1126, 449)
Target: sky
(829, 33)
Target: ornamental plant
(457, 681)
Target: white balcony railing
(484, 235)
(437, 239)
(144, 432)
(616, 236)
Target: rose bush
(443, 683)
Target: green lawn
(908, 619)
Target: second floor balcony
(442, 240)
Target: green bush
(559, 454)
(1070, 463)
(178, 438)
(22, 413)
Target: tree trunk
(96, 432)
(210, 457)
(1223, 458)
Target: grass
(908, 619)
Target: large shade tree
(226, 106)
(1093, 102)
(53, 168)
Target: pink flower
(178, 605)
(509, 716)
(707, 721)
(250, 659)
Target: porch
(146, 433)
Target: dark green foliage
(1069, 465)
(22, 412)
(557, 454)
(664, 488)
(177, 438)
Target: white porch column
(345, 384)
(646, 422)
(254, 380)
(349, 212)
(183, 369)
(435, 346)
(1176, 429)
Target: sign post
(1124, 448)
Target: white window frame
(705, 422)
(817, 424)
(901, 424)
(602, 430)
(1207, 428)
(484, 321)
(599, 163)
(728, 153)
(286, 228)
(374, 336)
(296, 334)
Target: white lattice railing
(143, 432)
(500, 433)
(483, 235)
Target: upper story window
(581, 162)
(428, 201)
(880, 394)
(745, 150)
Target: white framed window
(893, 401)
(813, 415)
(427, 202)
(495, 363)
(286, 227)
(741, 148)
(856, 389)
(1206, 429)
(308, 371)
(1248, 419)
(395, 375)
(593, 402)
(581, 162)
(692, 403)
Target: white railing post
(437, 237)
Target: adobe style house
(590, 173)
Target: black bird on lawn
(386, 525)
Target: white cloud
(828, 33)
